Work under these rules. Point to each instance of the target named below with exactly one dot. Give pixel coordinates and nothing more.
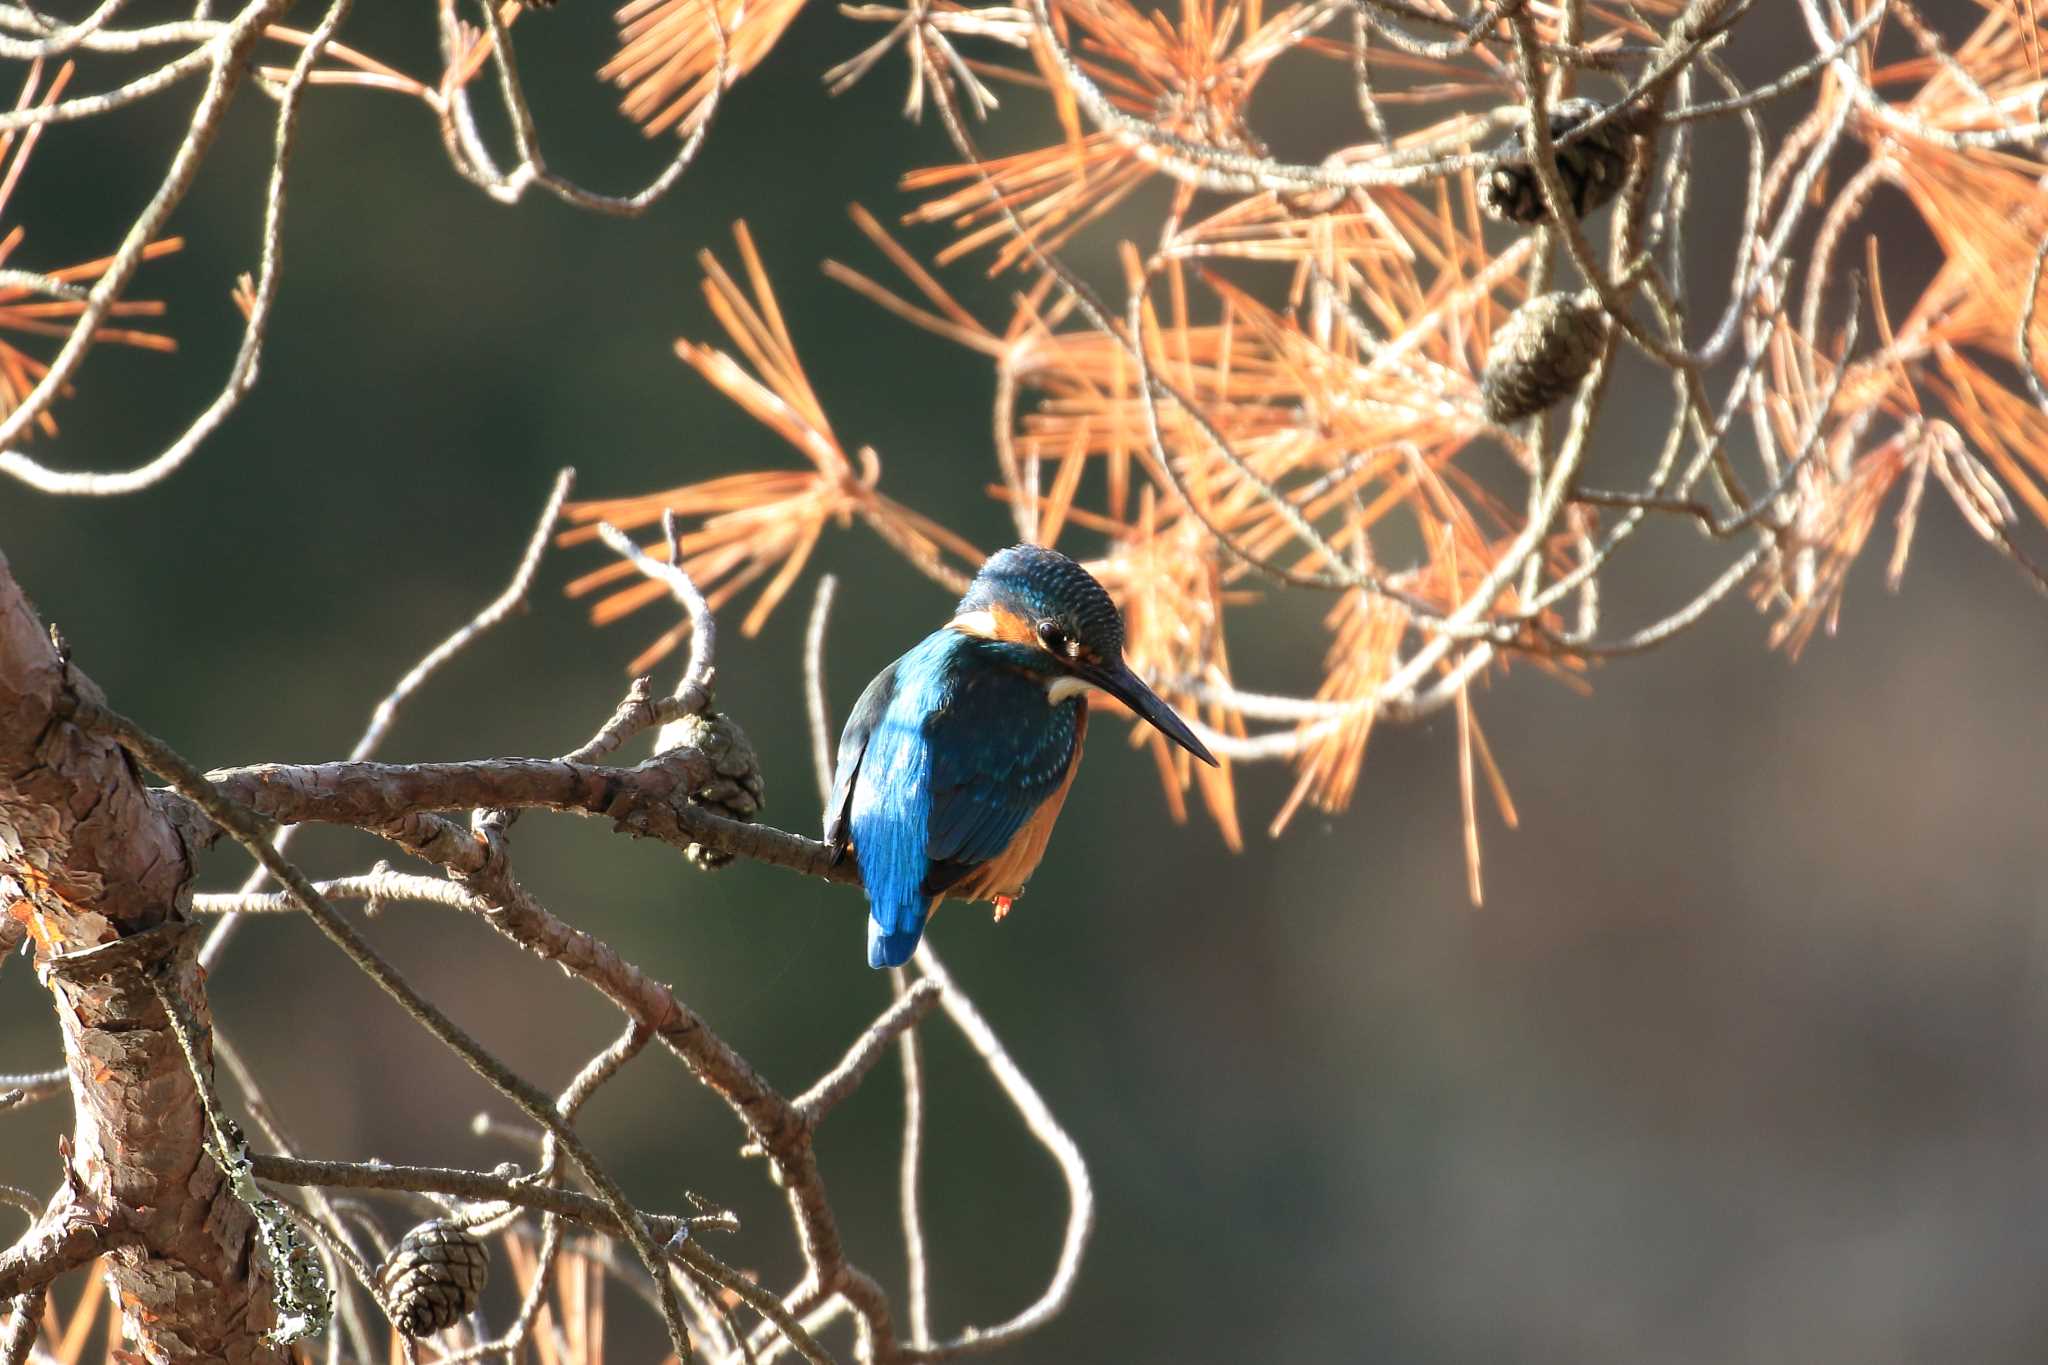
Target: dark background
(1743, 1060)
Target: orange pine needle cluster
(1353, 443)
(33, 313)
(1288, 390)
(1939, 378)
(1171, 589)
(1194, 77)
(761, 524)
(669, 50)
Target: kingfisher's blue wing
(883, 792)
(998, 754)
(853, 745)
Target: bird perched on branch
(958, 756)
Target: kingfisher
(958, 756)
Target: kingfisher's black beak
(1128, 688)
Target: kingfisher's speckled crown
(1036, 582)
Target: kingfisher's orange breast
(1006, 873)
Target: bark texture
(99, 871)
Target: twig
(467, 154)
(473, 1185)
(917, 1266)
(381, 885)
(2023, 342)
(18, 1092)
(792, 1331)
(1674, 622)
(594, 1074)
(505, 604)
(816, 707)
(337, 1240)
(835, 1085)
(240, 823)
(694, 691)
(47, 1250)
(231, 63)
(512, 599)
(1040, 1123)
(305, 1298)
(92, 106)
(577, 1208)
(18, 1333)
(651, 800)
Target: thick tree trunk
(101, 872)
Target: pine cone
(1592, 168)
(735, 791)
(433, 1278)
(1540, 354)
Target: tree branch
(482, 1186)
(650, 800)
(842, 1080)
(248, 832)
(64, 1239)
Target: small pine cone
(735, 790)
(433, 1278)
(1592, 168)
(1540, 354)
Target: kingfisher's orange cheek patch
(996, 623)
(1013, 628)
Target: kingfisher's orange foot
(1003, 904)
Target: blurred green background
(1746, 1057)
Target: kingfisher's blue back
(945, 761)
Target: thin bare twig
(836, 1085)
(511, 600)
(247, 830)
(19, 1091)
(234, 52)
(816, 708)
(695, 689)
(1046, 1130)
(917, 1265)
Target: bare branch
(2023, 341)
(18, 1333)
(63, 1239)
(917, 1266)
(1039, 1121)
(245, 828)
(816, 708)
(17, 1092)
(694, 692)
(512, 599)
(836, 1085)
(234, 51)
(480, 1186)
(650, 800)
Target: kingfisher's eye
(1054, 637)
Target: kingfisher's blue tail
(893, 947)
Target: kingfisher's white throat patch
(980, 624)
(1064, 686)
